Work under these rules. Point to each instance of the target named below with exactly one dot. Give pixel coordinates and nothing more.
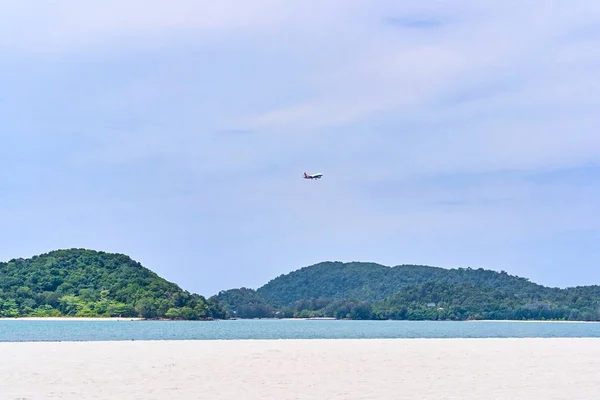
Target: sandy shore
(69, 319)
(488, 369)
(535, 320)
(274, 319)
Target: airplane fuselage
(313, 176)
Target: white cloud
(70, 25)
(531, 81)
(539, 73)
(389, 68)
(64, 25)
(359, 90)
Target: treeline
(247, 303)
(432, 301)
(350, 291)
(372, 282)
(86, 283)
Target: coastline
(273, 319)
(534, 320)
(72, 319)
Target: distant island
(86, 283)
(360, 290)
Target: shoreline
(534, 320)
(272, 319)
(71, 319)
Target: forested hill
(371, 291)
(86, 283)
(374, 282)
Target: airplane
(314, 176)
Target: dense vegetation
(373, 291)
(247, 303)
(85, 283)
(374, 282)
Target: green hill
(374, 282)
(372, 291)
(86, 283)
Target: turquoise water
(20, 330)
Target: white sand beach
(528, 369)
(71, 319)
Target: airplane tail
(306, 176)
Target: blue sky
(460, 133)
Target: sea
(17, 330)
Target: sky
(459, 133)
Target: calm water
(19, 330)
